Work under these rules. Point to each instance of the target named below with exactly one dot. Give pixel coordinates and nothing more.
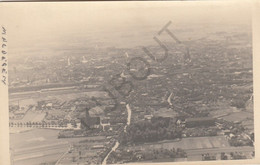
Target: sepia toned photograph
(97, 83)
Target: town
(196, 111)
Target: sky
(30, 24)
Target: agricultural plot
(32, 116)
(238, 116)
(188, 143)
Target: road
(113, 149)
(129, 112)
(169, 99)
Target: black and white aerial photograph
(98, 83)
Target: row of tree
(40, 124)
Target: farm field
(195, 147)
(32, 116)
(238, 116)
(165, 112)
(35, 146)
(188, 143)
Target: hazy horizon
(44, 26)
